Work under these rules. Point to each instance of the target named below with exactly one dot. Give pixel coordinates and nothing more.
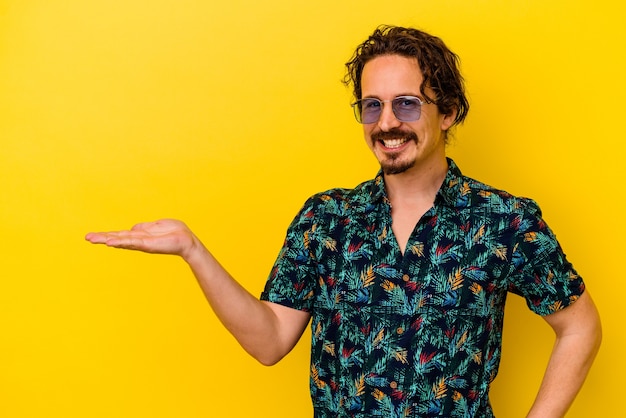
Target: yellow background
(228, 115)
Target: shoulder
(463, 192)
(518, 217)
(341, 201)
(478, 195)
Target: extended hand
(166, 236)
(268, 331)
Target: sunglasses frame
(395, 102)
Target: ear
(448, 120)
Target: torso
(404, 220)
(419, 333)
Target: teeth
(394, 143)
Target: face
(401, 146)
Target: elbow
(590, 337)
(267, 356)
(267, 359)
(594, 341)
(597, 335)
(594, 331)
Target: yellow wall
(228, 115)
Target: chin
(396, 167)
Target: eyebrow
(396, 96)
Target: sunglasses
(405, 108)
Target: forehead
(388, 76)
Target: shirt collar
(451, 193)
(454, 189)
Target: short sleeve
(542, 274)
(292, 279)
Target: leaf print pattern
(419, 334)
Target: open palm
(165, 236)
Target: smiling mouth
(394, 143)
(394, 138)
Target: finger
(104, 237)
(96, 237)
(126, 242)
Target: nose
(388, 120)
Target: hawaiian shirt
(415, 334)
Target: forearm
(568, 366)
(267, 331)
(255, 326)
(578, 339)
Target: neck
(418, 185)
(411, 194)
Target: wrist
(194, 252)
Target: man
(404, 277)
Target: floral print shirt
(415, 334)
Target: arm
(578, 334)
(267, 331)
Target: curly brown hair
(439, 66)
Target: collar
(453, 191)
